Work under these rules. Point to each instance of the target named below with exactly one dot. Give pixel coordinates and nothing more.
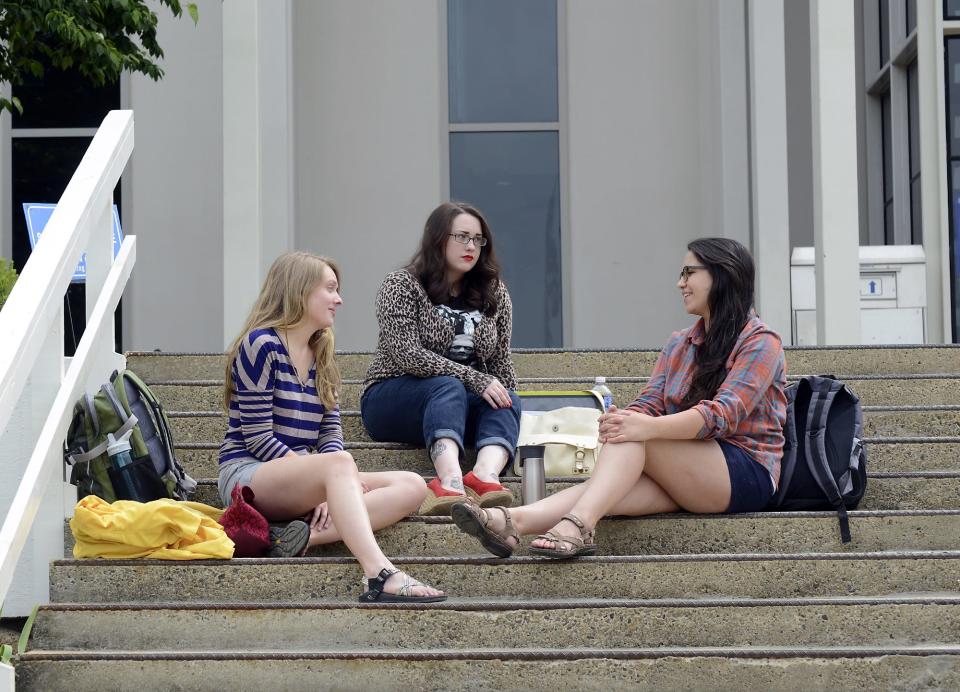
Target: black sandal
(376, 594)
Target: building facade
(598, 137)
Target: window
(913, 128)
(951, 9)
(887, 170)
(60, 115)
(504, 145)
(892, 118)
(953, 168)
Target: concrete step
(892, 390)
(906, 491)
(312, 580)
(475, 624)
(743, 668)
(772, 532)
(884, 454)
(926, 421)
(867, 360)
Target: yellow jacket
(162, 529)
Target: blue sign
(39, 214)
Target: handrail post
(31, 580)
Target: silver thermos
(533, 484)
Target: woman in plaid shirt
(705, 436)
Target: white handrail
(31, 350)
(47, 455)
(31, 307)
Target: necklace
(285, 340)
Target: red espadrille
(487, 494)
(439, 500)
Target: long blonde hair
(281, 304)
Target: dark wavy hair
(478, 287)
(730, 301)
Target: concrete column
(258, 212)
(934, 194)
(835, 207)
(770, 198)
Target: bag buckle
(578, 465)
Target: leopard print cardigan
(413, 338)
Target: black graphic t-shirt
(464, 321)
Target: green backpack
(122, 405)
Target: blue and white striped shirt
(271, 412)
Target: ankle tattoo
(455, 484)
(436, 449)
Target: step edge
(503, 654)
(924, 600)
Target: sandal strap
(408, 584)
(508, 523)
(578, 522)
(375, 584)
(574, 542)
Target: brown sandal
(576, 546)
(475, 520)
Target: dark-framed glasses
(464, 238)
(688, 269)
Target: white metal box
(893, 295)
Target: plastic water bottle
(601, 388)
(119, 452)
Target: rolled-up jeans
(420, 410)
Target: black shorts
(750, 484)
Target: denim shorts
(233, 473)
(750, 484)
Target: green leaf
(27, 628)
(194, 12)
(6, 653)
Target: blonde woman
(285, 439)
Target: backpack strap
(111, 394)
(93, 453)
(91, 410)
(816, 452)
(185, 484)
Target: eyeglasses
(688, 269)
(464, 238)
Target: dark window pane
(955, 247)
(888, 238)
(913, 118)
(502, 61)
(911, 12)
(514, 177)
(953, 95)
(951, 9)
(913, 127)
(41, 168)
(64, 99)
(887, 151)
(916, 217)
(884, 29)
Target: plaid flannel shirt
(748, 410)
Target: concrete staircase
(762, 601)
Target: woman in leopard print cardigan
(443, 375)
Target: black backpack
(123, 404)
(824, 461)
